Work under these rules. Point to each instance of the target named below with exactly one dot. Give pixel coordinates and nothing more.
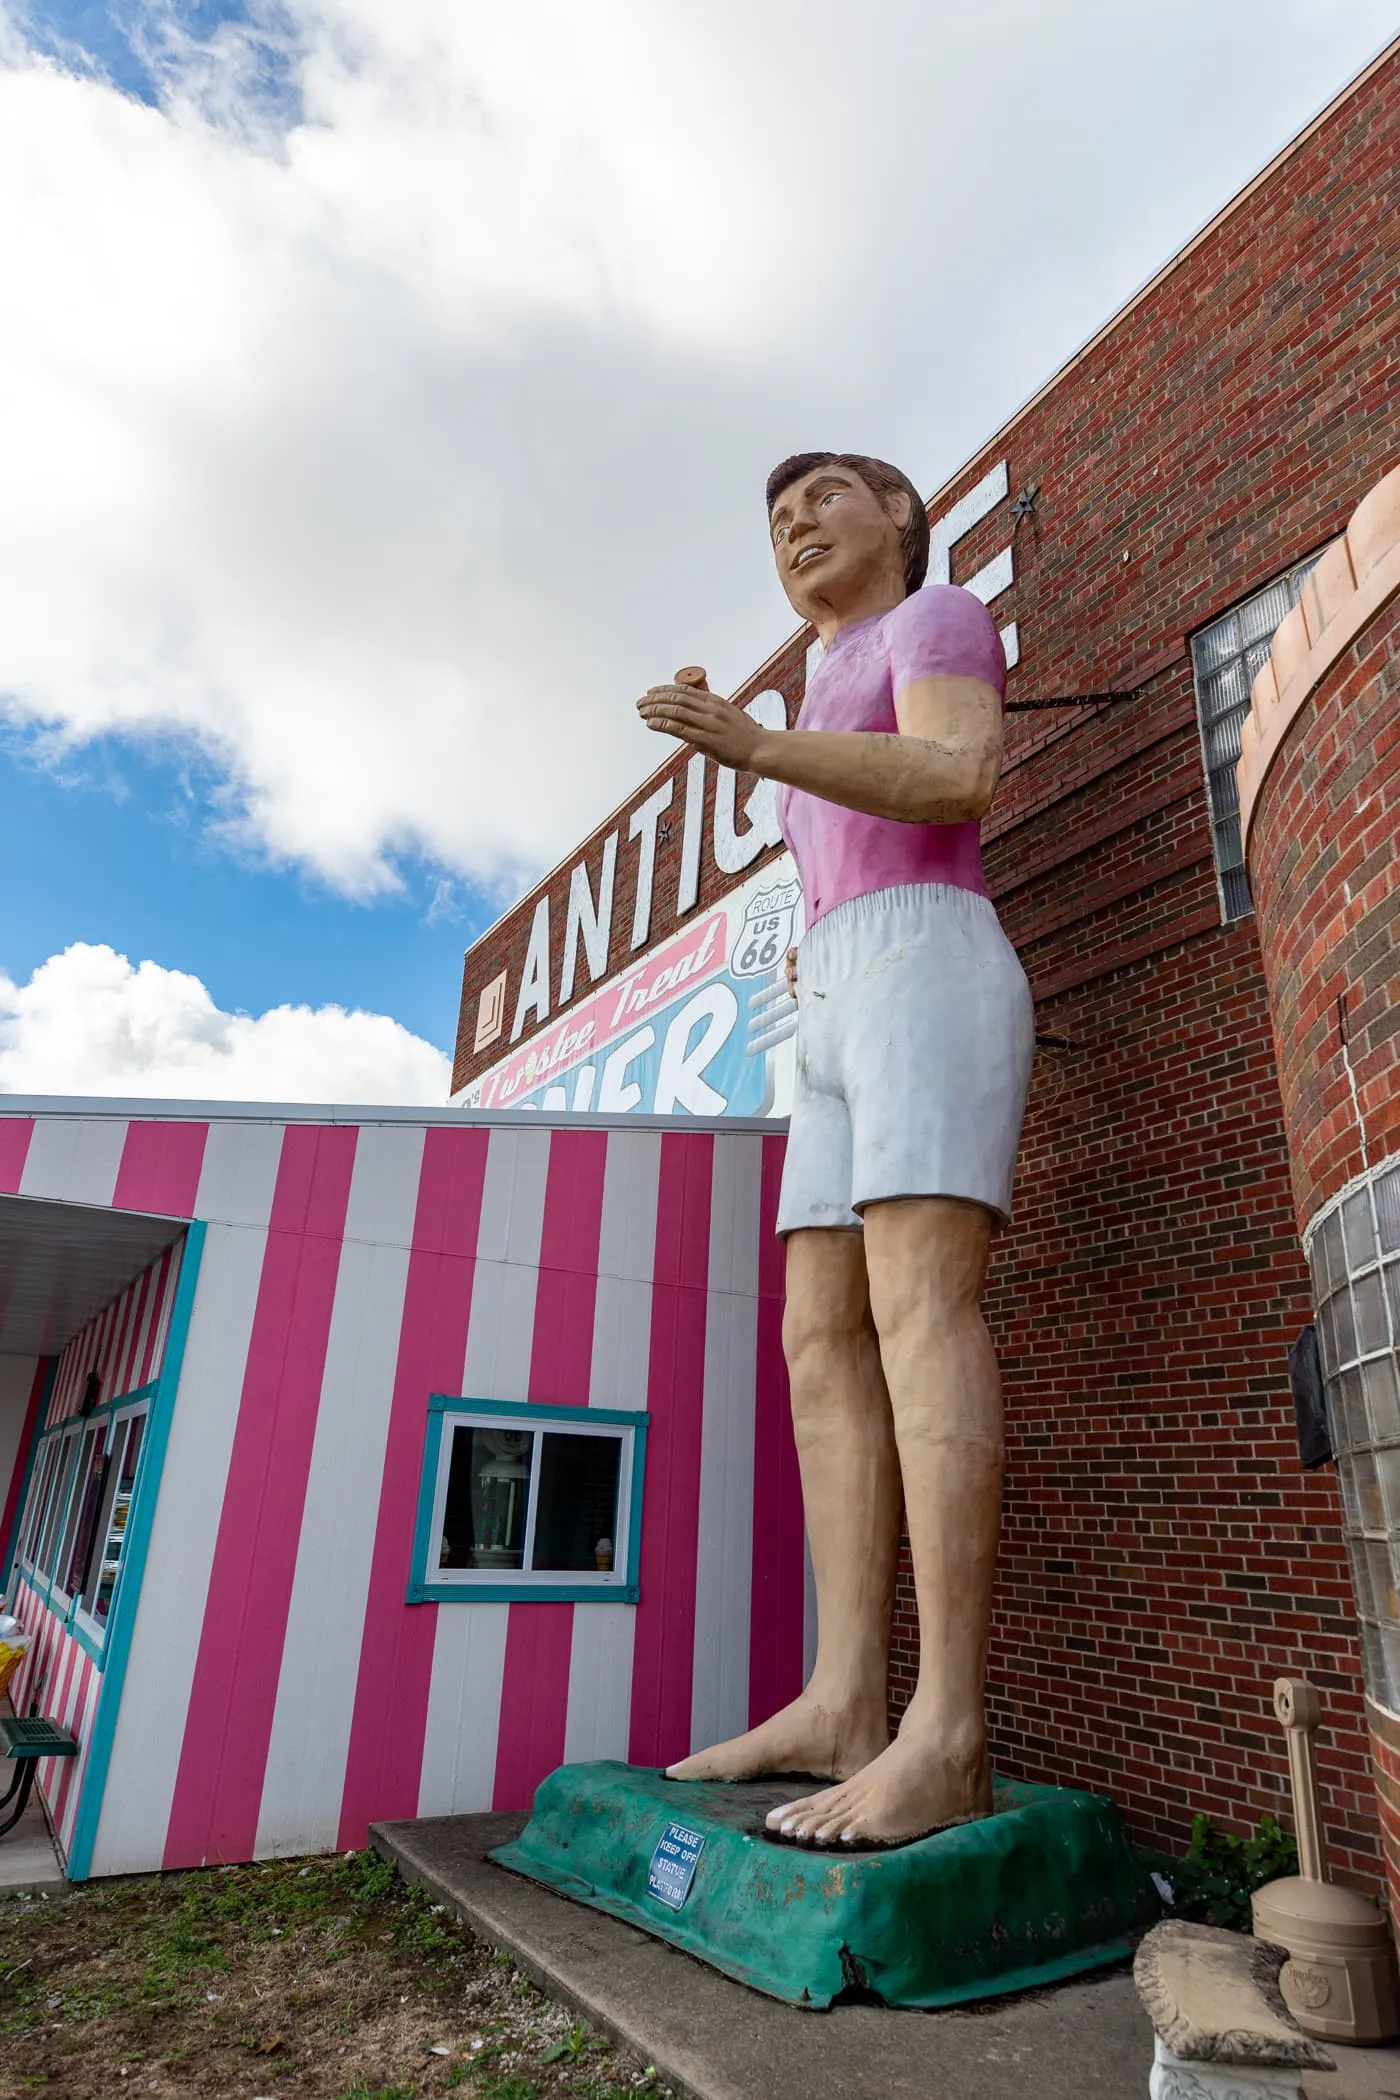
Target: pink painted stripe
(663, 1658)
(10, 1515)
(83, 1353)
(140, 1320)
(70, 1780)
(152, 1337)
(228, 1724)
(384, 1761)
(83, 1728)
(114, 1351)
(134, 1369)
(539, 1636)
(160, 1168)
(776, 1596)
(60, 1387)
(534, 1700)
(36, 1670)
(63, 1384)
(140, 1366)
(15, 1134)
(32, 1616)
(141, 1301)
(86, 1357)
(74, 1711)
(117, 1378)
(69, 1656)
(561, 1350)
(153, 1353)
(21, 1604)
(104, 1354)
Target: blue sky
(115, 34)
(386, 389)
(119, 831)
(118, 854)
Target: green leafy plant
(573, 2044)
(1219, 1873)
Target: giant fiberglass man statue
(915, 1035)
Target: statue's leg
(851, 1497)
(927, 1260)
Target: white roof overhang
(61, 1263)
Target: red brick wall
(1163, 1556)
(1325, 864)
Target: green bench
(26, 1740)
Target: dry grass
(324, 1977)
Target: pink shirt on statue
(841, 853)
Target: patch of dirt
(324, 1977)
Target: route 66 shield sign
(765, 933)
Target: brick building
(1140, 528)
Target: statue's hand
(790, 972)
(714, 726)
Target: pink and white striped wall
(69, 1685)
(125, 1345)
(280, 1693)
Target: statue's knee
(818, 1332)
(929, 1318)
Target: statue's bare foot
(914, 1787)
(808, 1736)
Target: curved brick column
(1319, 780)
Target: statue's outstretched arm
(939, 767)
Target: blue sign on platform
(673, 1865)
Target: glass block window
(1227, 657)
(1355, 1259)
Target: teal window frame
(427, 1585)
(53, 1523)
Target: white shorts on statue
(915, 1035)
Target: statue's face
(833, 537)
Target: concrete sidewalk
(714, 2040)
(28, 1858)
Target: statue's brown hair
(882, 480)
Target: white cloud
(90, 1022)
(388, 452)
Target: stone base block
(1173, 2078)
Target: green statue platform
(1043, 1888)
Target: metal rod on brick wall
(1022, 707)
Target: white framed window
(107, 1540)
(70, 1562)
(518, 1501)
(85, 1475)
(37, 1506)
(1227, 657)
(60, 1493)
